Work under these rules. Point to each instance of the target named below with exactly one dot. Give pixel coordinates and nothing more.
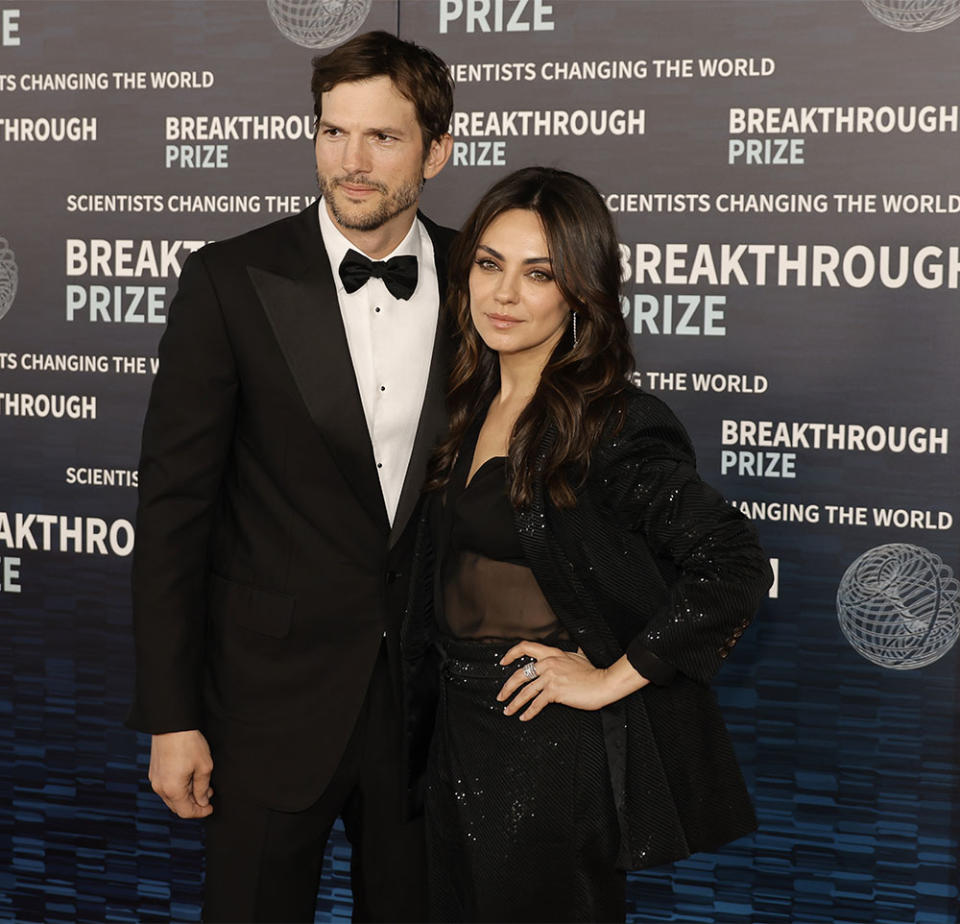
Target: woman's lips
(502, 321)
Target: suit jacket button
(392, 576)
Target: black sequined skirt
(521, 823)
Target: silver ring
(530, 670)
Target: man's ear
(437, 156)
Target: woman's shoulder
(641, 421)
(644, 406)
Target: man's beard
(391, 205)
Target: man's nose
(356, 156)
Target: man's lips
(357, 191)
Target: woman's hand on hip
(567, 677)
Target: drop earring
(574, 322)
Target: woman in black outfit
(579, 581)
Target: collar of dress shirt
(337, 245)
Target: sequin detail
(521, 824)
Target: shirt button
(377, 309)
(383, 388)
(379, 465)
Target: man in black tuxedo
(300, 389)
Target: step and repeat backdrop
(784, 179)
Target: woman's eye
(485, 264)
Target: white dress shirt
(391, 342)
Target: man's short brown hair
(416, 72)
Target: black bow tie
(399, 274)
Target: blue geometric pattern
(843, 789)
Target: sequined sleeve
(651, 485)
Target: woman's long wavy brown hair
(582, 383)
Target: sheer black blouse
(487, 589)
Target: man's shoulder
(440, 235)
(278, 239)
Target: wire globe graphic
(8, 277)
(898, 606)
(318, 23)
(914, 15)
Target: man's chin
(358, 216)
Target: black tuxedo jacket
(265, 571)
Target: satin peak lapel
(433, 418)
(305, 316)
(433, 415)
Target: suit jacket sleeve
(720, 572)
(186, 440)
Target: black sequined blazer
(653, 563)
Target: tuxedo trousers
(265, 865)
